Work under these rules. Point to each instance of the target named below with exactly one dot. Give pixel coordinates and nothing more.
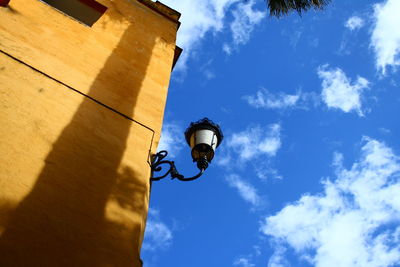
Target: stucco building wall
(81, 110)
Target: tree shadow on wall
(61, 222)
(128, 188)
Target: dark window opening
(85, 11)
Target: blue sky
(308, 173)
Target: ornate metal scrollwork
(157, 162)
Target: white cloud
(338, 92)
(172, 139)
(257, 250)
(207, 70)
(246, 190)
(265, 99)
(281, 101)
(256, 141)
(384, 130)
(243, 262)
(247, 260)
(209, 16)
(245, 18)
(294, 35)
(354, 23)
(278, 258)
(314, 42)
(157, 235)
(209, 74)
(263, 171)
(197, 18)
(256, 145)
(227, 49)
(354, 222)
(385, 38)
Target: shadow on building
(62, 221)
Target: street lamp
(203, 137)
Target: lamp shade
(203, 137)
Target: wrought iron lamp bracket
(157, 162)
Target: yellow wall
(81, 108)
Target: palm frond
(279, 8)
